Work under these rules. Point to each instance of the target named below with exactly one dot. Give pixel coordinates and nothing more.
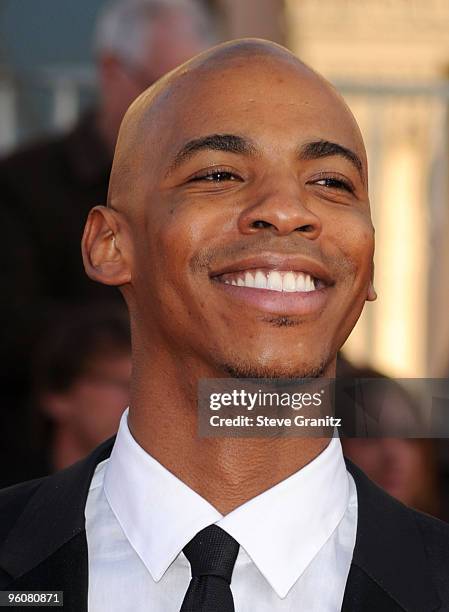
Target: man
(239, 231)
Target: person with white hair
(47, 188)
(137, 42)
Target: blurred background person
(406, 468)
(371, 404)
(81, 380)
(47, 188)
(380, 423)
(81, 371)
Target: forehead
(278, 105)
(269, 101)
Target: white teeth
(274, 281)
(249, 280)
(310, 283)
(301, 283)
(288, 282)
(260, 282)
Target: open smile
(277, 284)
(272, 280)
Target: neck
(226, 471)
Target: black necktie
(212, 554)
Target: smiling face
(247, 209)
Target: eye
(332, 182)
(215, 175)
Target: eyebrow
(232, 143)
(325, 148)
(213, 142)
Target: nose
(281, 213)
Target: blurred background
(67, 72)
(389, 59)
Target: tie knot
(212, 552)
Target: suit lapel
(362, 593)
(65, 570)
(47, 547)
(389, 570)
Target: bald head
(249, 67)
(242, 170)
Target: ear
(106, 247)
(372, 295)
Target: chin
(240, 368)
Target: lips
(275, 283)
(269, 270)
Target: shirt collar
(282, 529)
(158, 513)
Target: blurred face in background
(89, 410)
(403, 467)
(171, 40)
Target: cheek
(369, 457)
(189, 228)
(102, 406)
(353, 237)
(89, 398)
(170, 238)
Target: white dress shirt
(296, 539)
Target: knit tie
(212, 554)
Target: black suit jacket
(401, 557)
